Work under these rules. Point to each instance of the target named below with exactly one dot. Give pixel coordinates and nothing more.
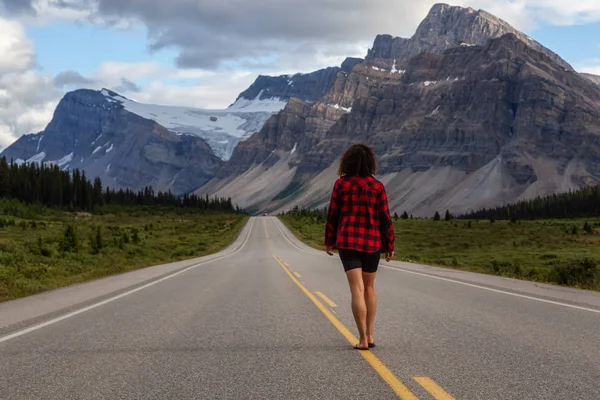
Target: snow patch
(294, 149)
(272, 105)
(63, 161)
(39, 157)
(290, 83)
(434, 112)
(396, 70)
(338, 107)
(427, 83)
(95, 140)
(97, 149)
(110, 148)
(19, 161)
(39, 142)
(467, 45)
(107, 168)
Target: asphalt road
(270, 318)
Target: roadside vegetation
(57, 228)
(42, 249)
(558, 251)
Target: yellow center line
(326, 299)
(384, 372)
(295, 273)
(433, 388)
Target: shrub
(69, 241)
(96, 242)
(588, 228)
(577, 272)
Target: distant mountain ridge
(92, 131)
(307, 87)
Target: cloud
(591, 66)
(210, 34)
(72, 78)
(27, 98)
(17, 6)
(15, 47)
(127, 86)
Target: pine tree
(4, 178)
(437, 217)
(405, 215)
(449, 216)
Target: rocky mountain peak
(446, 27)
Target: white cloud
(27, 98)
(15, 47)
(591, 66)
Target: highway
(270, 318)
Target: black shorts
(352, 259)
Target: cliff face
(91, 132)
(446, 27)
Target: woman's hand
(389, 256)
(329, 250)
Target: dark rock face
(125, 150)
(469, 105)
(446, 27)
(308, 87)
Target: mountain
(93, 131)
(308, 87)
(457, 127)
(446, 27)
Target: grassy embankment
(553, 251)
(36, 253)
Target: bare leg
(371, 302)
(359, 307)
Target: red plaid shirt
(359, 217)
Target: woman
(360, 227)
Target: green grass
(33, 260)
(544, 251)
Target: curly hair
(358, 160)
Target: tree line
(49, 185)
(584, 202)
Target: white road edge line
(557, 303)
(74, 313)
(494, 290)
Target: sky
(203, 53)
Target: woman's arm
(333, 218)
(386, 226)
